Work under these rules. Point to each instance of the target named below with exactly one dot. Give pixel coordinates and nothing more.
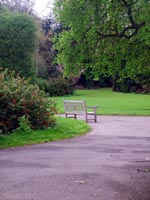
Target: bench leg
(86, 118)
(95, 118)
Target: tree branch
(133, 28)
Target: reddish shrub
(19, 98)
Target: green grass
(111, 103)
(65, 128)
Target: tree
(23, 6)
(110, 36)
(47, 68)
(17, 39)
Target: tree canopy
(108, 36)
(23, 6)
(17, 39)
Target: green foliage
(42, 83)
(46, 54)
(2, 8)
(112, 37)
(24, 125)
(127, 85)
(59, 87)
(55, 86)
(17, 39)
(19, 98)
(23, 6)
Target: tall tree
(110, 36)
(24, 6)
(17, 39)
(46, 53)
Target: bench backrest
(75, 106)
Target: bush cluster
(127, 85)
(59, 87)
(55, 86)
(42, 83)
(19, 98)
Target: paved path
(110, 163)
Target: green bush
(24, 125)
(19, 98)
(42, 83)
(127, 85)
(17, 42)
(59, 87)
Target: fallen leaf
(81, 182)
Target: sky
(41, 5)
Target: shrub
(127, 85)
(24, 125)
(59, 87)
(19, 98)
(42, 83)
(146, 88)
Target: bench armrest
(93, 107)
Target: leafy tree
(110, 36)
(46, 54)
(23, 6)
(17, 39)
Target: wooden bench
(78, 107)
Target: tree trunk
(114, 82)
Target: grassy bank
(65, 128)
(111, 103)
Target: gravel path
(112, 162)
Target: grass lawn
(111, 103)
(65, 128)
